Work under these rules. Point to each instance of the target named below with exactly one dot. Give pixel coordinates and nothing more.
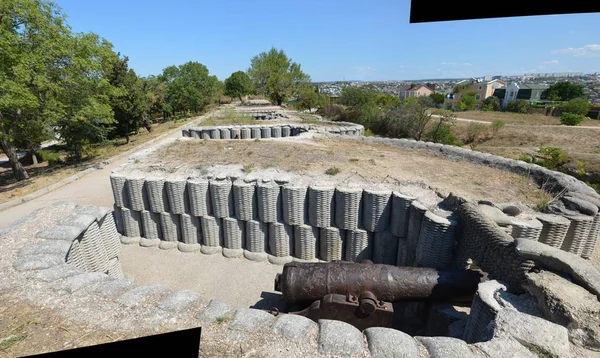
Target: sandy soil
(374, 164)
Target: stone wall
(270, 130)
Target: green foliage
(437, 98)
(578, 106)
(406, 120)
(468, 101)
(563, 91)
(571, 119)
(581, 168)
(518, 106)
(386, 101)
(238, 85)
(333, 112)
(276, 76)
(309, 98)
(189, 86)
(476, 132)
(369, 133)
(496, 126)
(552, 157)
(333, 171)
(51, 157)
(492, 103)
(357, 97)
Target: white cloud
(592, 50)
(551, 62)
(467, 64)
(456, 64)
(449, 63)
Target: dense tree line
(59, 84)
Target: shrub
(331, 111)
(476, 132)
(332, 171)
(518, 106)
(576, 106)
(491, 103)
(552, 157)
(497, 125)
(48, 156)
(571, 119)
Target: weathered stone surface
(337, 338)
(233, 253)
(99, 212)
(60, 232)
(581, 205)
(148, 242)
(504, 348)
(295, 327)
(57, 272)
(37, 262)
(183, 247)
(79, 221)
(140, 295)
(179, 300)
(127, 240)
(47, 247)
(279, 260)
(387, 342)
(77, 282)
(211, 250)
(569, 305)
(256, 256)
(215, 310)
(495, 214)
(114, 288)
(446, 347)
(532, 332)
(250, 320)
(581, 270)
(167, 245)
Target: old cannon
(362, 293)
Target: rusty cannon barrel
(303, 283)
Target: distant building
(529, 92)
(416, 90)
(482, 89)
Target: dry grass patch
(518, 118)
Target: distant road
(21, 154)
(520, 125)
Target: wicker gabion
(157, 195)
(190, 229)
(400, 214)
(385, 248)
(578, 234)
(415, 218)
(321, 204)
(331, 244)
(376, 210)
(151, 225)
(221, 194)
(554, 229)
(177, 196)
(244, 199)
(199, 196)
(233, 233)
(281, 239)
(402, 252)
(135, 188)
(211, 231)
(348, 207)
(359, 245)
(483, 311)
(306, 244)
(131, 222)
(257, 236)
(170, 226)
(269, 201)
(590, 245)
(436, 241)
(530, 230)
(117, 183)
(295, 203)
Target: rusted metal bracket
(361, 311)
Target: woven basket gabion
(482, 313)
(588, 249)
(265, 132)
(269, 201)
(415, 218)
(135, 188)
(170, 225)
(402, 252)
(400, 214)
(225, 133)
(554, 229)
(530, 230)
(176, 194)
(578, 234)
(190, 229)
(157, 194)
(92, 250)
(211, 231)
(131, 222)
(244, 199)
(199, 196)
(117, 183)
(306, 242)
(295, 203)
(257, 236)
(348, 207)
(385, 248)
(109, 235)
(151, 225)
(221, 194)
(321, 204)
(233, 233)
(436, 241)
(75, 256)
(359, 245)
(281, 239)
(376, 209)
(331, 244)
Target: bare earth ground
(518, 118)
(42, 175)
(513, 141)
(376, 163)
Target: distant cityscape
(591, 83)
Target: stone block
(140, 295)
(337, 338)
(295, 327)
(446, 347)
(37, 262)
(114, 288)
(57, 272)
(60, 232)
(387, 342)
(215, 311)
(77, 282)
(179, 300)
(47, 247)
(250, 320)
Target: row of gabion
(575, 234)
(309, 222)
(263, 131)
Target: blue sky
(336, 40)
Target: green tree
(518, 106)
(437, 98)
(357, 97)
(576, 106)
(276, 76)
(409, 119)
(156, 91)
(189, 86)
(563, 91)
(492, 103)
(238, 85)
(468, 101)
(309, 98)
